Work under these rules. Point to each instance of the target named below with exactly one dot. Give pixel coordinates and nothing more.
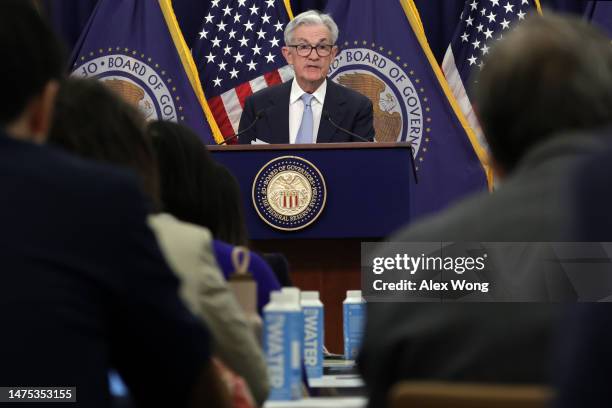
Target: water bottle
(294, 294)
(282, 318)
(312, 349)
(353, 309)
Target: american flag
(482, 22)
(238, 52)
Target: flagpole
(189, 65)
(408, 6)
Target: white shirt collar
(297, 92)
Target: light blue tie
(305, 133)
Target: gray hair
(310, 18)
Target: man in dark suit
(83, 285)
(542, 91)
(310, 108)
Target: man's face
(310, 70)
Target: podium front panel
(367, 189)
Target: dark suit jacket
(583, 362)
(593, 197)
(83, 285)
(347, 108)
(493, 342)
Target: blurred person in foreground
(190, 190)
(584, 358)
(542, 92)
(93, 122)
(84, 286)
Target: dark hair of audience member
(230, 225)
(93, 122)
(24, 36)
(194, 188)
(550, 75)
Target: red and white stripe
(227, 107)
(458, 89)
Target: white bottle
(282, 319)
(314, 335)
(353, 309)
(294, 294)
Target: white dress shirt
(296, 109)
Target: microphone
(258, 116)
(413, 165)
(328, 118)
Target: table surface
(336, 381)
(320, 402)
(338, 363)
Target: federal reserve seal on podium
(289, 193)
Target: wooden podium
(367, 197)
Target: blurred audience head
(93, 122)
(230, 225)
(184, 164)
(194, 188)
(33, 64)
(551, 74)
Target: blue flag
(384, 55)
(600, 13)
(136, 48)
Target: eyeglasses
(304, 50)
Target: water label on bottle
(313, 341)
(277, 346)
(296, 330)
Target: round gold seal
(289, 193)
